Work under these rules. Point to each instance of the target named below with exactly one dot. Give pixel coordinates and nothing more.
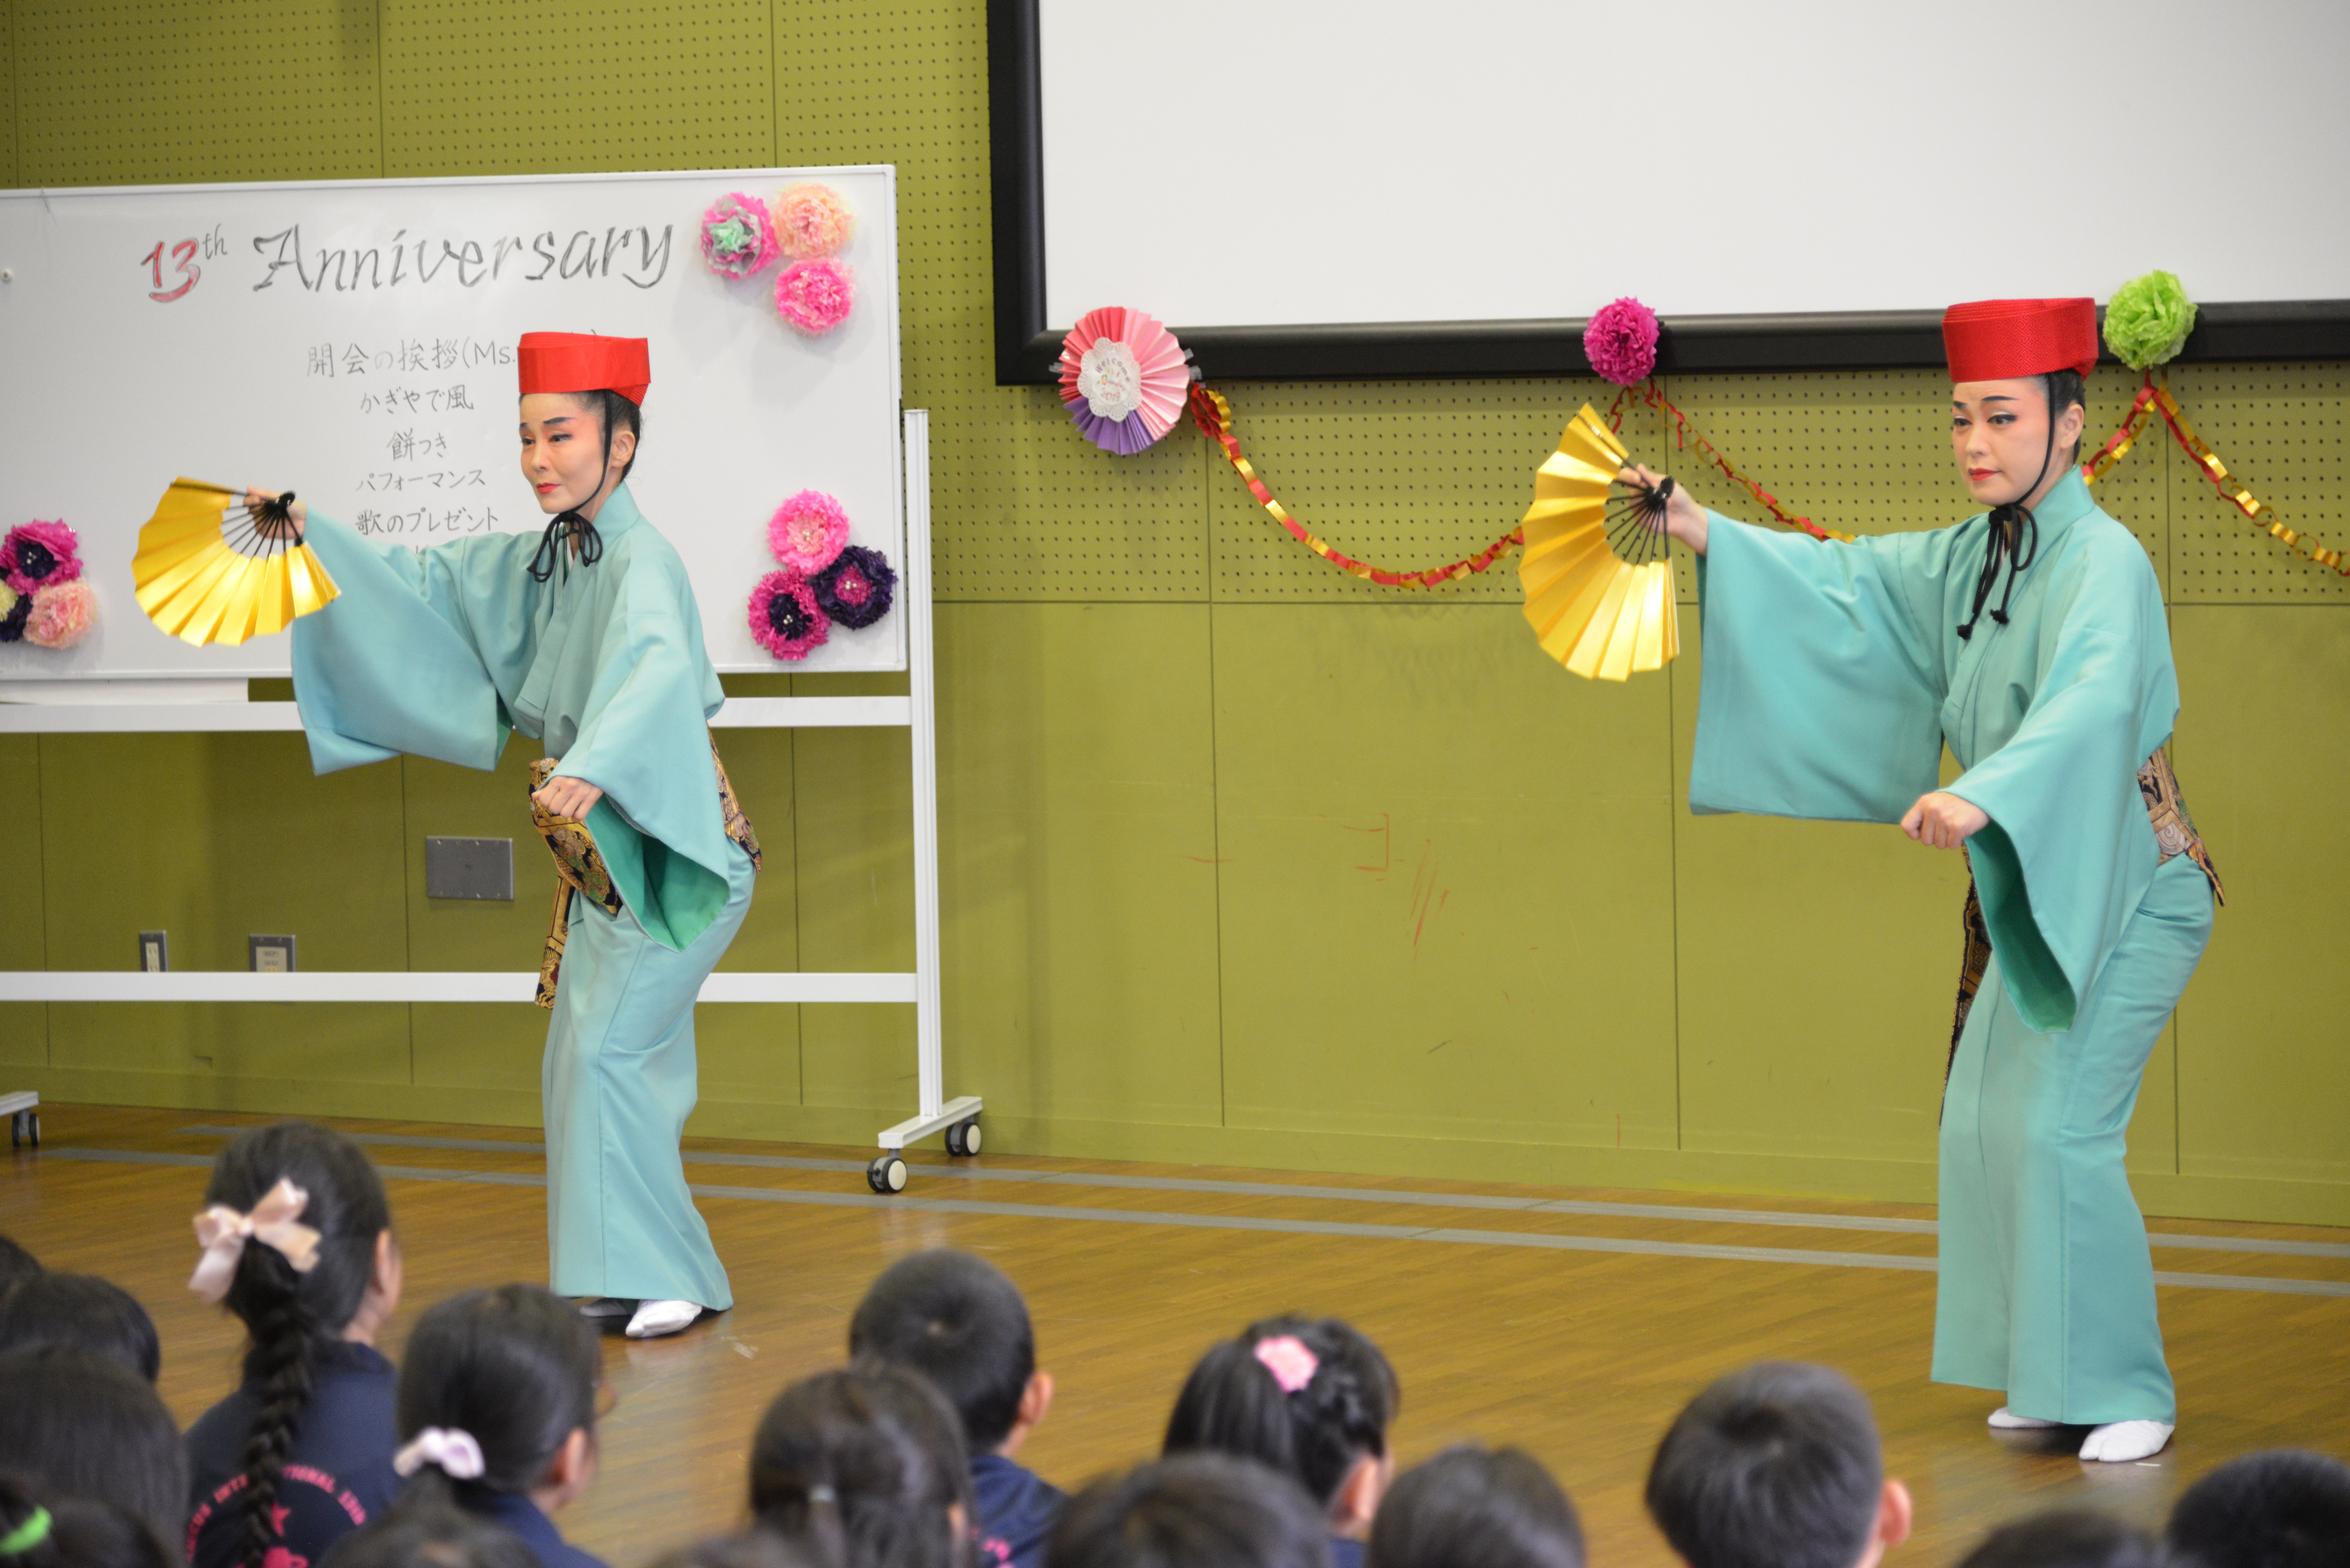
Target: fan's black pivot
(1636, 524)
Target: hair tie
(222, 1232)
(27, 1535)
(822, 1493)
(452, 1449)
(1286, 1356)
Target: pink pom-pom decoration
(737, 239)
(785, 618)
(1123, 377)
(815, 295)
(1621, 341)
(62, 615)
(813, 221)
(807, 532)
(37, 553)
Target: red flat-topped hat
(583, 362)
(2006, 339)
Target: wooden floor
(1506, 1321)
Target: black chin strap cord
(571, 525)
(2015, 541)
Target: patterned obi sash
(580, 868)
(2174, 835)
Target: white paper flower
(1109, 380)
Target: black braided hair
(1231, 1403)
(861, 1467)
(292, 1317)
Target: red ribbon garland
(1686, 436)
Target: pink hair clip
(452, 1449)
(1286, 1356)
(275, 1221)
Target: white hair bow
(450, 1448)
(222, 1232)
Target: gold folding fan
(212, 569)
(1598, 581)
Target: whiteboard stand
(959, 1118)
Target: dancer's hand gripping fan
(211, 569)
(1599, 580)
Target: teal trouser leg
(2047, 1290)
(619, 1082)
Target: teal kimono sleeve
(644, 741)
(2067, 855)
(392, 665)
(1821, 692)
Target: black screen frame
(1027, 347)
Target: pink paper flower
(815, 295)
(807, 532)
(813, 221)
(62, 615)
(1287, 1356)
(1621, 341)
(737, 237)
(36, 553)
(1123, 378)
(785, 618)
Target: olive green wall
(1244, 861)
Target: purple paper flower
(37, 553)
(857, 589)
(785, 617)
(1621, 341)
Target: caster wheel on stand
(962, 1139)
(886, 1173)
(25, 1127)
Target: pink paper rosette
(36, 553)
(62, 615)
(1621, 341)
(807, 532)
(815, 296)
(784, 619)
(812, 220)
(737, 238)
(1123, 377)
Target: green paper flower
(2147, 320)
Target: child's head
(2072, 1537)
(73, 1532)
(497, 1389)
(959, 1322)
(85, 1312)
(1473, 1508)
(753, 1548)
(2288, 1508)
(1309, 1397)
(429, 1535)
(80, 1427)
(16, 1266)
(1776, 1466)
(866, 1465)
(1192, 1510)
(314, 1178)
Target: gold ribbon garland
(2156, 398)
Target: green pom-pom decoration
(2147, 320)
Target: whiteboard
(1506, 160)
(354, 341)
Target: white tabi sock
(2119, 1442)
(2007, 1420)
(655, 1319)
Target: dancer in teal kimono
(587, 640)
(2031, 639)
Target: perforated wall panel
(2278, 429)
(8, 90)
(504, 87)
(161, 92)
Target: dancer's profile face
(1999, 434)
(563, 449)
